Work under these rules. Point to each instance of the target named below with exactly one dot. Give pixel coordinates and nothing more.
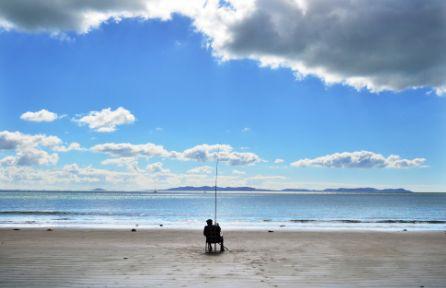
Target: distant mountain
(299, 190)
(99, 189)
(211, 188)
(356, 190)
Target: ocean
(236, 210)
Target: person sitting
(213, 235)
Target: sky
(145, 94)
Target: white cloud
(159, 174)
(339, 41)
(73, 146)
(157, 168)
(127, 150)
(201, 170)
(200, 153)
(76, 174)
(225, 153)
(107, 120)
(28, 148)
(362, 48)
(7, 161)
(130, 163)
(33, 156)
(73, 176)
(122, 161)
(39, 116)
(70, 176)
(14, 140)
(83, 16)
(359, 159)
(279, 161)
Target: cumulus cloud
(39, 116)
(27, 148)
(57, 17)
(384, 45)
(74, 146)
(200, 153)
(73, 173)
(128, 150)
(279, 161)
(392, 45)
(160, 174)
(157, 167)
(33, 156)
(359, 159)
(131, 163)
(224, 153)
(201, 170)
(14, 140)
(107, 120)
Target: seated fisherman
(213, 235)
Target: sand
(174, 258)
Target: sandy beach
(173, 258)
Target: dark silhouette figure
(213, 235)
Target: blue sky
(177, 89)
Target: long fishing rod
(215, 186)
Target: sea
(269, 210)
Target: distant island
(251, 189)
(212, 188)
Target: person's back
(207, 232)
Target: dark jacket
(212, 233)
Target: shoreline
(292, 226)
(230, 229)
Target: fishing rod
(215, 185)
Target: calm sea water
(269, 210)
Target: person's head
(209, 222)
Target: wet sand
(173, 258)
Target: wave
(63, 213)
(389, 221)
(34, 213)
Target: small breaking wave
(34, 213)
(66, 213)
(351, 221)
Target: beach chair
(214, 236)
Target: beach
(176, 258)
